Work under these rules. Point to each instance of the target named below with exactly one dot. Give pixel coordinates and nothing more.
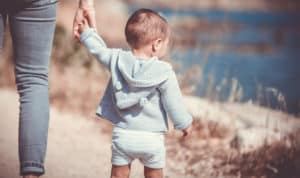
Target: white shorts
(128, 145)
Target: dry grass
(278, 160)
(207, 156)
(77, 90)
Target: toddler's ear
(156, 45)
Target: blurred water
(251, 18)
(270, 71)
(258, 72)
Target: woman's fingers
(89, 14)
(77, 20)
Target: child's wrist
(85, 34)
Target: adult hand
(86, 11)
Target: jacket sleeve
(173, 104)
(96, 46)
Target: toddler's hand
(83, 25)
(187, 131)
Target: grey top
(140, 93)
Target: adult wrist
(86, 4)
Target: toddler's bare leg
(30, 176)
(120, 171)
(153, 173)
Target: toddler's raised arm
(96, 46)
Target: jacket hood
(134, 80)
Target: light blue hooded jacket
(140, 93)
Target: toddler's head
(148, 31)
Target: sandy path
(76, 146)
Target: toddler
(141, 92)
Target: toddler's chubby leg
(120, 171)
(30, 176)
(153, 173)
